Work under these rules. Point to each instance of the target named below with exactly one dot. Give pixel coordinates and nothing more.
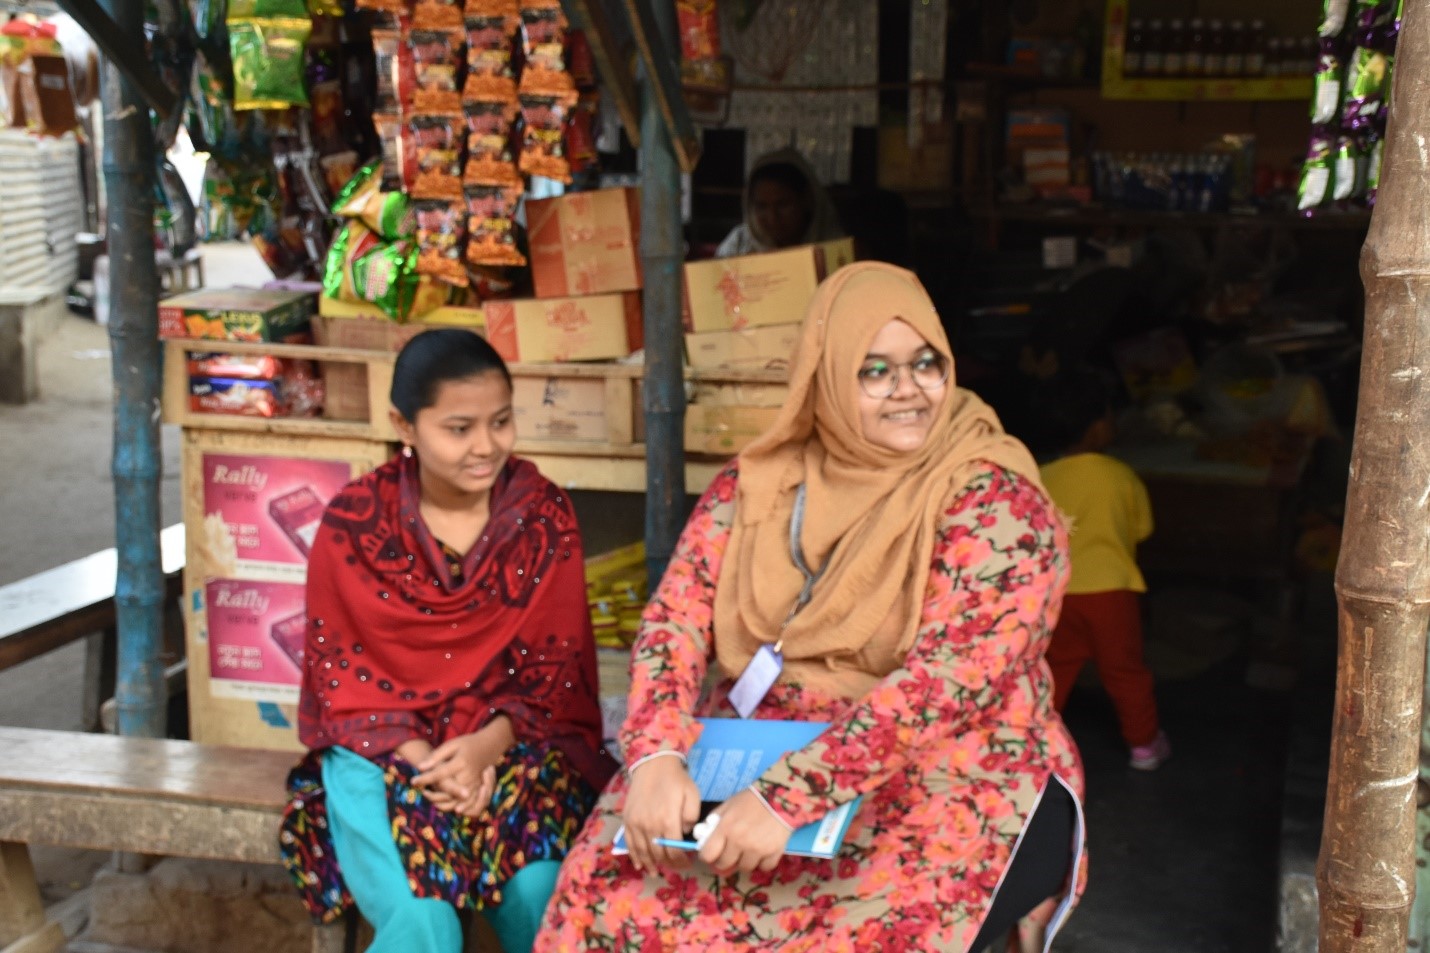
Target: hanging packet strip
(268, 62)
(491, 233)
(1316, 171)
(543, 34)
(437, 141)
(543, 148)
(1367, 87)
(490, 70)
(394, 67)
(441, 230)
(1330, 76)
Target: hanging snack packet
(268, 62)
(440, 231)
(490, 71)
(543, 148)
(1367, 87)
(399, 159)
(436, 54)
(543, 36)
(1316, 171)
(1372, 171)
(1349, 163)
(1333, 18)
(490, 158)
(1330, 75)
(395, 69)
(437, 140)
(491, 232)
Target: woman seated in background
(784, 206)
(449, 690)
(887, 556)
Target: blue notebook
(732, 753)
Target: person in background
(893, 549)
(1108, 514)
(784, 206)
(449, 697)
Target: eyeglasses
(879, 379)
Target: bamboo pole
(134, 340)
(1365, 873)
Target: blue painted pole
(662, 251)
(134, 345)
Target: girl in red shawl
(449, 695)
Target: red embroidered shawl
(396, 650)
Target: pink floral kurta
(950, 752)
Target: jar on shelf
(1174, 60)
(1235, 49)
(1214, 61)
(1253, 61)
(1194, 60)
(1135, 48)
(1154, 52)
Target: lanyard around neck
(796, 527)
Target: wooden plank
(620, 410)
(590, 17)
(56, 762)
(664, 83)
(141, 824)
(624, 475)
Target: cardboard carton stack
(746, 312)
(586, 270)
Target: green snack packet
(268, 62)
(361, 181)
(266, 9)
(1317, 171)
(387, 277)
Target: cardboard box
(236, 314)
(593, 328)
(725, 294)
(769, 346)
(560, 408)
(718, 429)
(345, 385)
(55, 97)
(585, 243)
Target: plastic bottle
(1154, 52)
(1214, 62)
(1136, 46)
(1174, 62)
(1235, 44)
(1195, 58)
(1271, 67)
(1254, 58)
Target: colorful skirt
(537, 808)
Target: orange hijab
(870, 514)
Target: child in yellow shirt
(1108, 514)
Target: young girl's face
(464, 439)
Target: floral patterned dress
(951, 752)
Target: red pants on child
(1106, 627)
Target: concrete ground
(1183, 860)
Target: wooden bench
(53, 608)
(139, 795)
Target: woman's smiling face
(900, 421)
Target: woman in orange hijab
(887, 556)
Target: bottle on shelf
(1174, 59)
(1136, 47)
(1309, 53)
(1154, 51)
(1271, 59)
(1253, 60)
(1214, 60)
(1195, 56)
(1235, 49)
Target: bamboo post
(134, 339)
(661, 254)
(1366, 873)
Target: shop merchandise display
(1212, 48)
(384, 150)
(1351, 99)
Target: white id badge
(755, 681)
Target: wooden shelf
(1223, 89)
(1091, 216)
